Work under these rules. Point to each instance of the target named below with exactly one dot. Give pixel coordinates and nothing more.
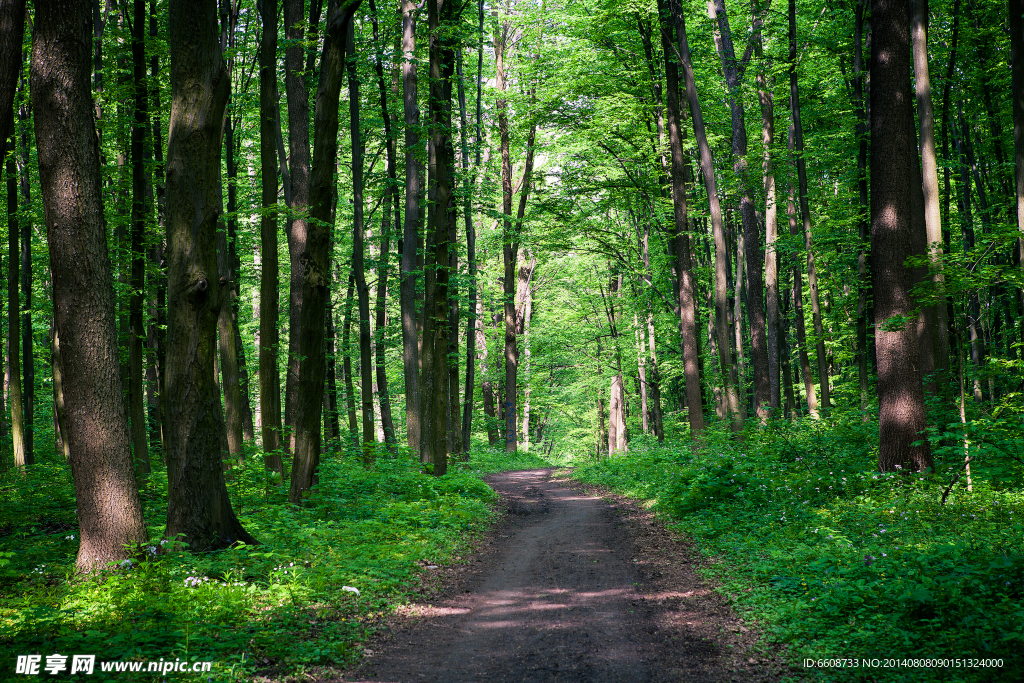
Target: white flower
(69, 538)
(350, 589)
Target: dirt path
(572, 587)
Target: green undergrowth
(308, 595)
(838, 561)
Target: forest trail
(571, 587)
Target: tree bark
(435, 378)
(366, 365)
(346, 368)
(728, 370)
(109, 508)
(270, 390)
(316, 269)
(1017, 79)
(805, 211)
(390, 200)
(900, 394)
(411, 227)
(198, 511)
(22, 457)
(930, 181)
(684, 270)
(486, 385)
(752, 254)
(298, 179)
(616, 418)
(863, 209)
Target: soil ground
(573, 585)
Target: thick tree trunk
(109, 509)
(298, 179)
(435, 378)
(270, 390)
(805, 210)
(684, 269)
(616, 418)
(900, 394)
(727, 368)
(198, 506)
(411, 227)
(316, 267)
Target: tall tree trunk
(229, 356)
(798, 306)
(684, 269)
(411, 228)
(616, 418)
(1017, 78)
(27, 344)
(900, 394)
(332, 422)
(434, 386)
(728, 370)
(316, 268)
(198, 505)
(863, 210)
(641, 368)
(751, 228)
(930, 181)
(366, 365)
(109, 509)
(805, 211)
(270, 389)
(295, 32)
(390, 200)
(14, 396)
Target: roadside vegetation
(837, 560)
(306, 596)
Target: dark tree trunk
(434, 384)
(316, 268)
(298, 178)
(1017, 78)
(727, 368)
(332, 425)
(270, 389)
(136, 321)
(358, 267)
(109, 508)
(229, 360)
(198, 507)
(684, 268)
(159, 324)
(410, 234)
(900, 394)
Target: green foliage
(838, 560)
(282, 605)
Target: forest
(286, 280)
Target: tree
(900, 394)
(316, 269)
(109, 507)
(199, 511)
(270, 390)
(728, 369)
(434, 382)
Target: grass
(308, 595)
(839, 561)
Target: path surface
(572, 587)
